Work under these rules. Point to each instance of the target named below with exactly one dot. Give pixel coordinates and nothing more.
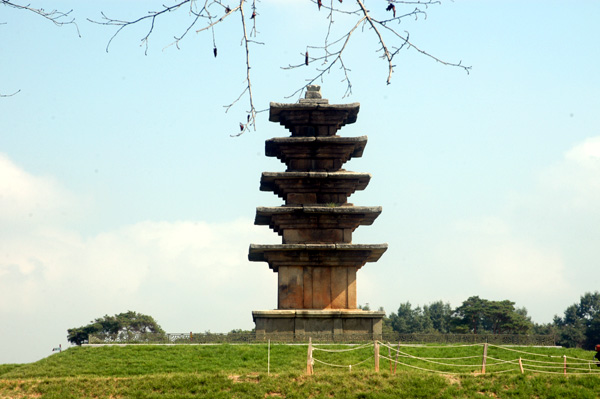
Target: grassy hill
(240, 371)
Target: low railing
(252, 337)
(496, 339)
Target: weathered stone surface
(321, 286)
(315, 153)
(317, 255)
(300, 324)
(311, 287)
(339, 287)
(316, 262)
(290, 292)
(313, 118)
(316, 224)
(313, 92)
(352, 304)
(310, 188)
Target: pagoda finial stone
(313, 96)
(313, 91)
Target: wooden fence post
(484, 358)
(390, 357)
(309, 366)
(397, 353)
(565, 364)
(521, 366)
(376, 357)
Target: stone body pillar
(317, 262)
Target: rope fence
(504, 360)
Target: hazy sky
(121, 189)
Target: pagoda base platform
(324, 325)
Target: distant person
(597, 355)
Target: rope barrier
(561, 373)
(342, 365)
(420, 368)
(501, 361)
(528, 353)
(341, 350)
(448, 372)
(438, 358)
(540, 366)
(438, 346)
(430, 360)
(522, 365)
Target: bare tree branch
(251, 118)
(10, 95)
(329, 65)
(330, 54)
(58, 18)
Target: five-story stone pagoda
(316, 262)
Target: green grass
(240, 371)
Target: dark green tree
(477, 315)
(409, 320)
(469, 317)
(440, 315)
(122, 326)
(580, 325)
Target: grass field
(240, 371)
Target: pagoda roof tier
(316, 255)
(314, 187)
(313, 118)
(315, 153)
(316, 217)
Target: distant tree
(440, 315)
(477, 315)
(469, 316)
(118, 327)
(580, 325)
(408, 320)
(544, 329)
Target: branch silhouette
(379, 24)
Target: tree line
(578, 327)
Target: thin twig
(58, 18)
(10, 95)
(330, 54)
(386, 52)
(251, 117)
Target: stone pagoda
(316, 262)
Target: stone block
(290, 292)
(294, 236)
(321, 288)
(308, 288)
(328, 324)
(301, 198)
(347, 236)
(339, 284)
(351, 287)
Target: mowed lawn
(249, 371)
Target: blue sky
(121, 188)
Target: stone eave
(314, 217)
(316, 255)
(326, 153)
(275, 109)
(320, 183)
(313, 118)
